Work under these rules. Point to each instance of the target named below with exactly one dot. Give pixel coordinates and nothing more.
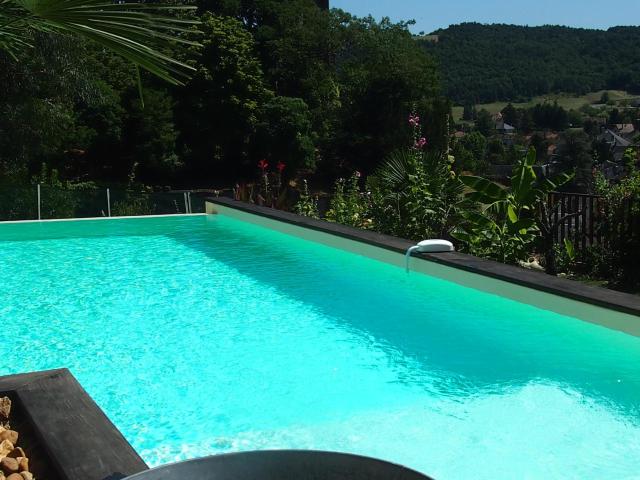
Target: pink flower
(414, 120)
(419, 145)
(280, 166)
(357, 174)
(263, 165)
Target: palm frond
(135, 31)
(394, 172)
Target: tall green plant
(415, 194)
(509, 220)
(348, 204)
(307, 205)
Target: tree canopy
(282, 81)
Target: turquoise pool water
(200, 335)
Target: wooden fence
(586, 220)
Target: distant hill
(488, 63)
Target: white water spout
(428, 246)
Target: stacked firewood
(14, 463)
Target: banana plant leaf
(484, 191)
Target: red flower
(414, 120)
(263, 165)
(281, 166)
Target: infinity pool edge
(615, 310)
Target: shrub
(133, 205)
(415, 194)
(619, 255)
(348, 205)
(306, 205)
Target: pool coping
(80, 441)
(598, 296)
(123, 217)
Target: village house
(504, 130)
(617, 144)
(626, 130)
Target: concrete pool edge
(121, 217)
(79, 439)
(609, 308)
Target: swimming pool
(207, 334)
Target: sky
(433, 14)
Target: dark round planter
(281, 465)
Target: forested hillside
(486, 63)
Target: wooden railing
(587, 223)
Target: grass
(569, 102)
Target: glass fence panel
(63, 203)
(18, 203)
(21, 202)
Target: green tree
(149, 138)
(469, 112)
(105, 117)
(484, 123)
(575, 118)
(615, 117)
(383, 74)
(510, 114)
(298, 45)
(526, 123)
(601, 151)
(575, 155)
(464, 160)
(550, 116)
(470, 153)
(284, 134)
(219, 109)
(496, 154)
(541, 145)
(39, 122)
(477, 144)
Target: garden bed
(22, 455)
(63, 432)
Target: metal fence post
(189, 197)
(186, 203)
(108, 203)
(39, 209)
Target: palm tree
(138, 32)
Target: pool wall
(615, 310)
